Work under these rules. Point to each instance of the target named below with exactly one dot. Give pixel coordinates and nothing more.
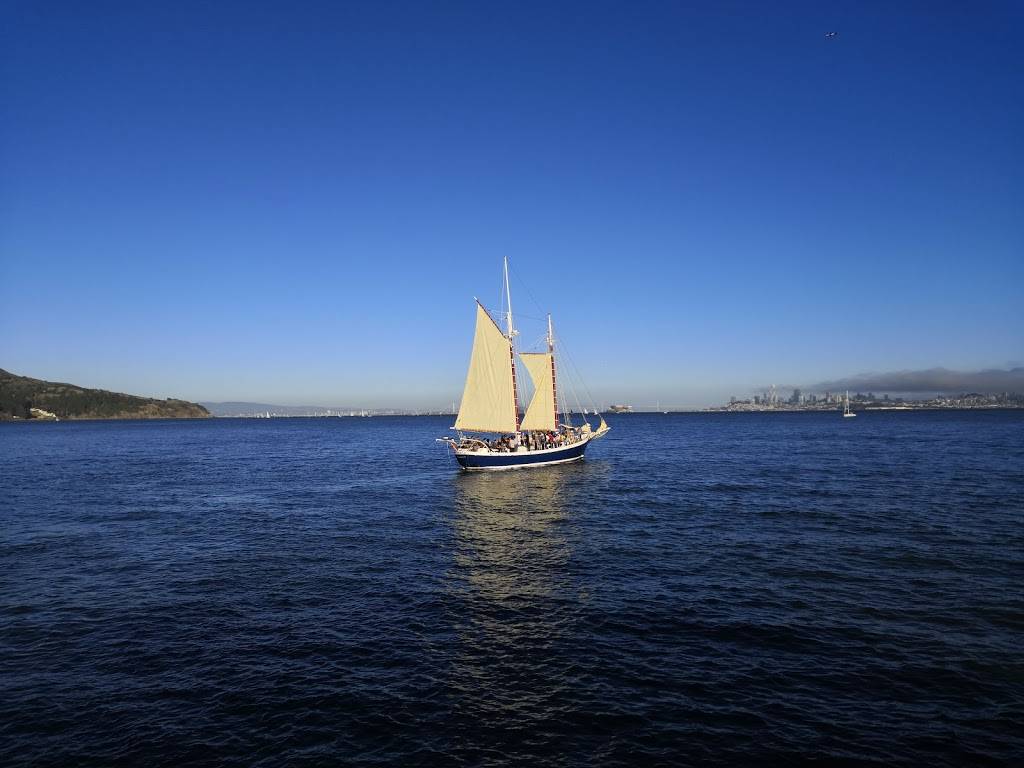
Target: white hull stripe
(522, 466)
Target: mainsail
(488, 400)
(541, 412)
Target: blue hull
(515, 460)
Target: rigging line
(569, 384)
(501, 302)
(575, 394)
(501, 297)
(586, 389)
(564, 404)
(572, 388)
(535, 343)
(520, 281)
(529, 293)
(564, 348)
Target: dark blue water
(704, 589)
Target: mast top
(509, 327)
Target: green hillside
(20, 394)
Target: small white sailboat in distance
(847, 413)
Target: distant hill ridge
(19, 395)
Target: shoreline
(678, 411)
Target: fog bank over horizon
(929, 381)
(988, 381)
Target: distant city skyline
(297, 205)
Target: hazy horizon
(934, 380)
(298, 205)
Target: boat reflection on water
(514, 595)
(510, 537)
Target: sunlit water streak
(704, 589)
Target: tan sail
(488, 400)
(541, 412)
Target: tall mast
(511, 344)
(551, 351)
(508, 303)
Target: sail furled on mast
(541, 412)
(488, 399)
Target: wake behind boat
(545, 434)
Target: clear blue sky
(297, 202)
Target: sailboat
(541, 436)
(847, 413)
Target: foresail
(488, 401)
(541, 412)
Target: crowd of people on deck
(533, 441)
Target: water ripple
(704, 589)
